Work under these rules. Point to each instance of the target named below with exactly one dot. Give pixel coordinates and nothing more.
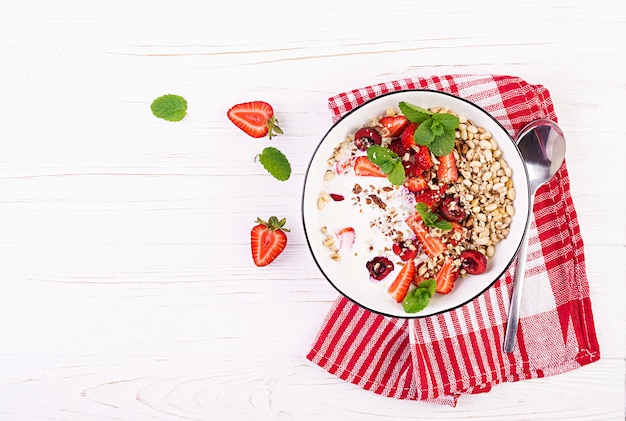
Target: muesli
(437, 193)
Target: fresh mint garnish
(169, 107)
(430, 218)
(436, 131)
(389, 162)
(275, 162)
(417, 299)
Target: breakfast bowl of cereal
(415, 203)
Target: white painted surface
(126, 287)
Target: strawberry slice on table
(446, 276)
(268, 240)
(433, 246)
(400, 286)
(255, 118)
(364, 167)
(447, 171)
(394, 124)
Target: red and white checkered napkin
(438, 358)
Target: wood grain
(126, 290)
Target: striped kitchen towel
(441, 357)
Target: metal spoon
(542, 146)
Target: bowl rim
(496, 278)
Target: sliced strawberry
(395, 124)
(433, 246)
(456, 235)
(343, 165)
(417, 278)
(432, 198)
(400, 286)
(447, 171)
(422, 158)
(446, 276)
(346, 237)
(268, 240)
(255, 118)
(416, 184)
(364, 167)
(407, 135)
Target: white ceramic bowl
(349, 275)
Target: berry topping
(406, 250)
(407, 135)
(447, 171)
(474, 262)
(364, 167)
(379, 267)
(452, 209)
(394, 124)
(337, 197)
(422, 158)
(366, 137)
(400, 286)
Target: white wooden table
(127, 291)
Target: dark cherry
(452, 209)
(474, 262)
(379, 267)
(366, 137)
(397, 147)
(405, 250)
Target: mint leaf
(169, 107)
(397, 175)
(423, 135)
(430, 218)
(450, 122)
(437, 128)
(418, 298)
(389, 162)
(442, 225)
(379, 154)
(443, 144)
(414, 113)
(275, 162)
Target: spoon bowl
(542, 146)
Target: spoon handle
(518, 284)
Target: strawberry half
(446, 276)
(433, 246)
(255, 118)
(400, 286)
(364, 167)
(447, 171)
(394, 124)
(268, 240)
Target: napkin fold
(441, 357)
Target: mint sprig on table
(435, 131)
(389, 162)
(169, 107)
(430, 218)
(275, 162)
(417, 299)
